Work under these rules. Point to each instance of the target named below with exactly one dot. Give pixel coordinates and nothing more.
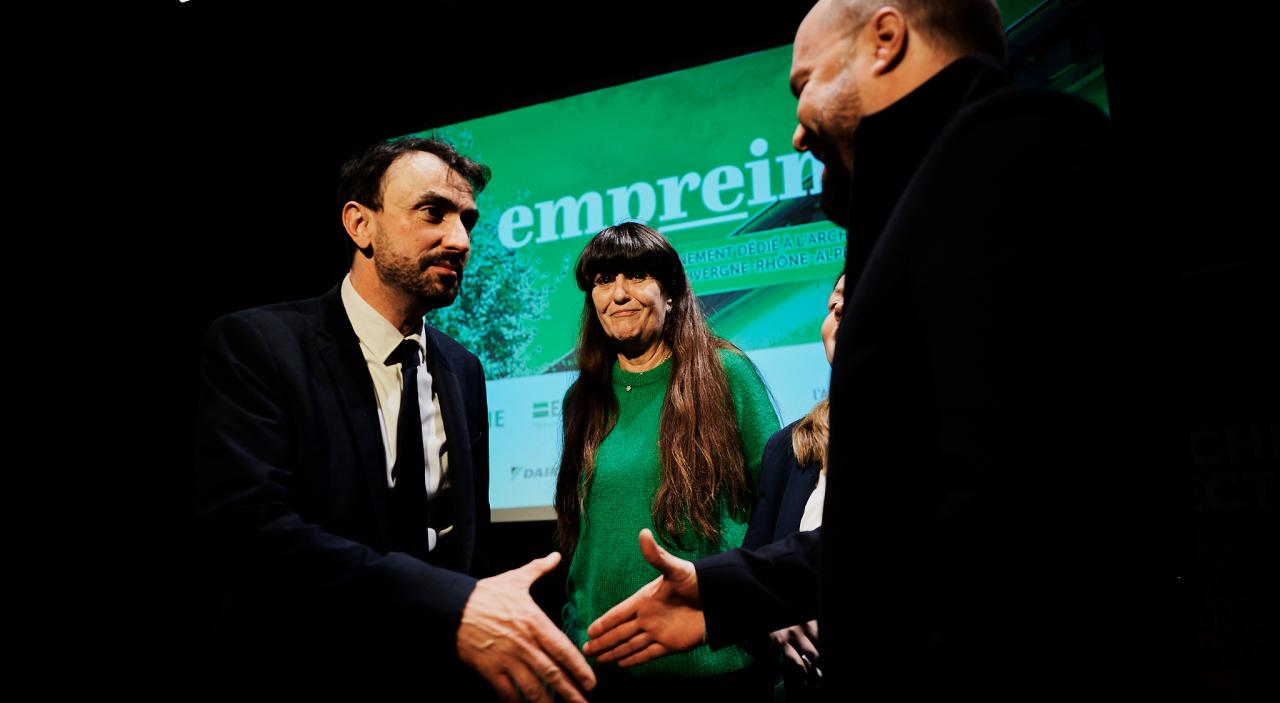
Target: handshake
(666, 616)
(509, 641)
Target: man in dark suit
(343, 470)
(986, 519)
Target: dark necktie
(409, 494)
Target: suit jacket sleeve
(747, 593)
(246, 456)
(774, 471)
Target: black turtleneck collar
(888, 146)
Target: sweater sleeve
(757, 417)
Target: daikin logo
(725, 190)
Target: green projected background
(704, 155)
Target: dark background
(177, 161)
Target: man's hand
(799, 647)
(663, 617)
(506, 637)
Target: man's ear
(356, 220)
(887, 32)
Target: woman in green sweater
(664, 429)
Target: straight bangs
(630, 249)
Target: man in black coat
(986, 514)
(342, 468)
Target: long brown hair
(702, 464)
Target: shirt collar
(379, 336)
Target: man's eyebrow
(433, 197)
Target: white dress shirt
(812, 518)
(379, 340)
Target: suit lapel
(800, 483)
(340, 350)
(444, 383)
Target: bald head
(854, 58)
(954, 27)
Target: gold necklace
(641, 373)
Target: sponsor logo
(546, 410)
(532, 472)
(497, 418)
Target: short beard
(410, 276)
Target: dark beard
(433, 290)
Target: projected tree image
(501, 293)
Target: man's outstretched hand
(663, 617)
(507, 638)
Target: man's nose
(456, 237)
(799, 138)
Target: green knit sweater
(607, 565)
